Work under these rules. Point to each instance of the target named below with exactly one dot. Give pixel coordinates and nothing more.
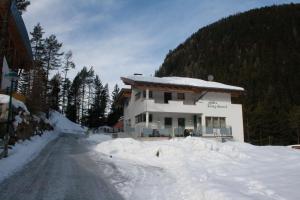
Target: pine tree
(37, 78)
(115, 111)
(22, 5)
(104, 97)
(55, 92)
(72, 111)
(52, 59)
(69, 64)
(95, 112)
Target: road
(62, 171)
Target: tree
(37, 75)
(72, 111)
(104, 97)
(115, 110)
(294, 121)
(95, 112)
(37, 43)
(22, 5)
(55, 92)
(52, 60)
(68, 64)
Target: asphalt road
(63, 171)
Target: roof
(21, 27)
(178, 81)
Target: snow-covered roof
(4, 99)
(180, 81)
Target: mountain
(260, 51)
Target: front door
(181, 126)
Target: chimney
(137, 74)
(210, 77)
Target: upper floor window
(167, 97)
(180, 96)
(137, 95)
(150, 94)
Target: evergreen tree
(37, 43)
(104, 97)
(73, 105)
(55, 92)
(22, 5)
(95, 112)
(69, 64)
(115, 111)
(52, 59)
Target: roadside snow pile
(24, 152)
(4, 99)
(63, 125)
(97, 138)
(204, 169)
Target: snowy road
(63, 170)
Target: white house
(177, 106)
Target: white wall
(212, 104)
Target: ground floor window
(142, 118)
(168, 122)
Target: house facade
(176, 106)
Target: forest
(46, 86)
(258, 50)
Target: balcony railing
(180, 132)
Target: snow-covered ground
(195, 168)
(64, 125)
(23, 152)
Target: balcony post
(147, 93)
(147, 119)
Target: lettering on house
(177, 106)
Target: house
(177, 106)
(119, 126)
(15, 48)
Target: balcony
(207, 132)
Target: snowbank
(24, 152)
(97, 138)
(63, 125)
(4, 99)
(204, 169)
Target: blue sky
(121, 37)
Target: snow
(4, 99)
(197, 168)
(64, 125)
(183, 81)
(23, 152)
(97, 138)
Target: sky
(123, 37)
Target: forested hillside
(260, 51)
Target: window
(145, 94)
(137, 95)
(142, 118)
(180, 96)
(167, 97)
(150, 117)
(208, 122)
(215, 122)
(150, 95)
(168, 122)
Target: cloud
(120, 37)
